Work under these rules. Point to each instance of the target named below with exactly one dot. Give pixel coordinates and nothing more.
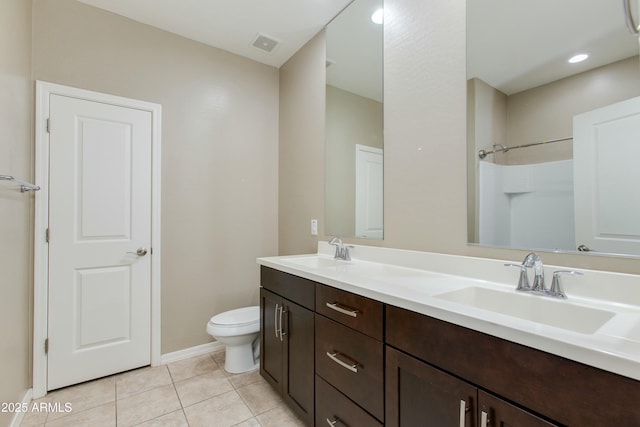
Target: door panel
(418, 394)
(99, 215)
(298, 360)
(502, 414)
(607, 197)
(271, 352)
(369, 192)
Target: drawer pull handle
(353, 366)
(336, 421)
(341, 309)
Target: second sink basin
(560, 314)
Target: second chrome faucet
(534, 261)
(342, 251)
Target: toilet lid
(238, 317)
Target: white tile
(103, 416)
(141, 380)
(174, 419)
(202, 387)
(147, 405)
(192, 367)
(224, 410)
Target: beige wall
(219, 150)
(16, 213)
(546, 112)
(425, 141)
(350, 119)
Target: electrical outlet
(314, 227)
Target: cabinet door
(418, 394)
(271, 353)
(495, 412)
(298, 386)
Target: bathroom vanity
(367, 343)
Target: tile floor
(188, 393)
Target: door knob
(139, 252)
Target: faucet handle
(523, 282)
(347, 255)
(556, 286)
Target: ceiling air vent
(265, 43)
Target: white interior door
(369, 185)
(99, 313)
(606, 178)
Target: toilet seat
(240, 321)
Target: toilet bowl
(239, 331)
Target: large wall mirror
(354, 136)
(553, 137)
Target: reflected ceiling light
(378, 16)
(578, 58)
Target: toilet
(239, 331)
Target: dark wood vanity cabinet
(342, 359)
(287, 334)
(532, 381)
(418, 394)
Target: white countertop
(417, 280)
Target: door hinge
(48, 125)
(46, 235)
(46, 346)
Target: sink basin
(560, 314)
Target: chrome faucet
(342, 251)
(534, 261)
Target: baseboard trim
(26, 402)
(191, 352)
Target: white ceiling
(517, 45)
(512, 45)
(354, 50)
(233, 25)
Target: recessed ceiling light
(378, 16)
(578, 58)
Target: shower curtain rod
(503, 149)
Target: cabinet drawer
(351, 362)
(331, 405)
(355, 311)
(294, 288)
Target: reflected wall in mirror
(553, 145)
(353, 129)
